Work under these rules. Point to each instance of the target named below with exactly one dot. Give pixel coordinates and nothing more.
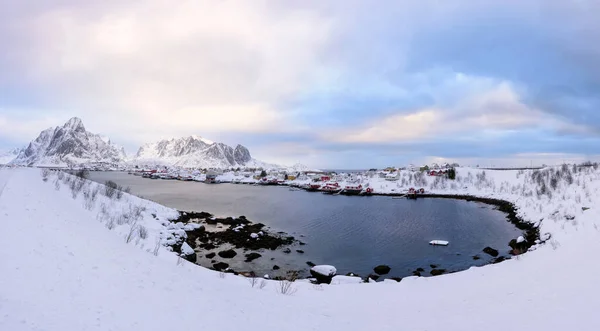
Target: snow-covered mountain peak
(195, 152)
(68, 145)
(75, 124)
(204, 140)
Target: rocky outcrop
(382, 269)
(323, 274)
(490, 251)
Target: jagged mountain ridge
(68, 145)
(71, 145)
(194, 151)
(8, 155)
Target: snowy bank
(64, 267)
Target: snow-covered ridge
(63, 269)
(194, 152)
(69, 144)
(9, 155)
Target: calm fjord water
(352, 233)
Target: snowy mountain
(9, 155)
(69, 144)
(195, 152)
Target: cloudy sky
(334, 84)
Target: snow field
(64, 269)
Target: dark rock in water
(476, 257)
(287, 251)
(276, 267)
(210, 255)
(382, 269)
(490, 251)
(300, 251)
(228, 254)
(213, 261)
(220, 266)
(192, 257)
(207, 246)
(437, 272)
(252, 256)
(310, 264)
(398, 279)
(242, 217)
(499, 259)
(433, 266)
(373, 277)
(301, 243)
(272, 258)
(316, 272)
(420, 270)
(416, 273)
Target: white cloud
(496, 111)
(157, 66)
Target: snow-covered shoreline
(62, 269)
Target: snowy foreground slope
(63, 269)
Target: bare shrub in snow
(262, 284)
(110, 189)
(122, 219)
(156, 247)
(554, 243)
(89, 198)
(285, 286)
(221, 274)
(253, 281)
(45, 174)
(131, 233)
(119, 192)
(61, 175)
(82, 173)
(179, 261)
(110, 223)
(142, 232)
(76, 185)
(57, 184)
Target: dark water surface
(354, 234)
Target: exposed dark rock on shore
(372, 276)
(210, 255)
(437, 272)
(490, 251)
(220, 266)
(321, 277)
